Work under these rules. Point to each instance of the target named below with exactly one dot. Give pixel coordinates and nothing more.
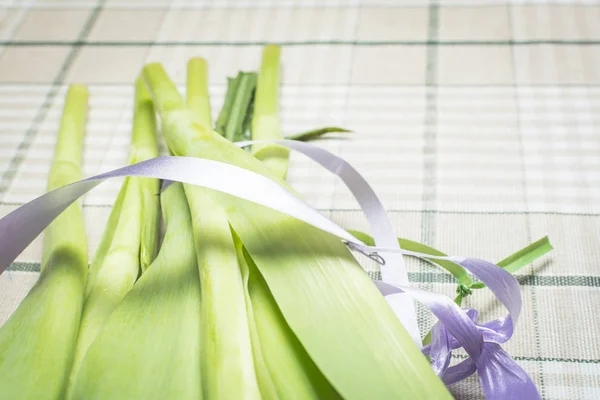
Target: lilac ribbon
(499, 374)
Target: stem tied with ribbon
(500, 376)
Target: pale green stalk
(227, 361)
(198, 100)
(228, 366)
(265, 121)
(149, 346)
(144, 146)
(130, 239)
(329, 302)
(37, 341)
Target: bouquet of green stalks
(237, 301)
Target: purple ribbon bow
(500, 376)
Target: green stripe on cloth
(423, 277)
(543, 359)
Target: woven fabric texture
(477, 123)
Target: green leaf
(282, 364)
(149, 346)
(316, 133)
(526, 255)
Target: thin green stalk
(130, 240)
(232, 86)
(227, 360)
(331, 305)
(265, 121)
(526, 255)
(521, 258)
(239, 109)
(247, 124)
(149, 346)
(240, 132)
(198, 99)
(37, 341)
(235, 117)
(144, 146)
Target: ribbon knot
(463, 290)
(500, 376)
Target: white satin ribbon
(393, 269)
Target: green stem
(226, 351)
(241, 105)
(38, 340)
(144, 146)
(266, 124)
(232, 86)
(130, 239)
(66, 168)
(198, 99)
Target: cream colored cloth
(478, 124)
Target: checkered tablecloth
(477, 122)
